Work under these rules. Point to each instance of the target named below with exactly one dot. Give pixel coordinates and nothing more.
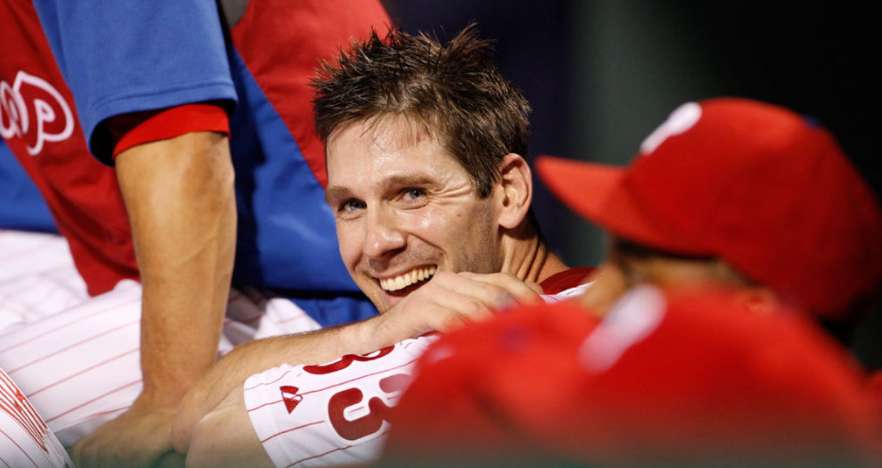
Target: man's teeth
(404, 280)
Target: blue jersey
(127, 56)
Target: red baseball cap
(761, 187)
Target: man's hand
(450, 300)
(447, 301)
(137, 438)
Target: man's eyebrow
(406, 180)
(336, 193)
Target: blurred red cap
(757, 185)
(690, 377)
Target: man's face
(405, 208)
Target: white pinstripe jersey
(335, 414)
(75, 357)
(25, 440)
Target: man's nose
(384, 236)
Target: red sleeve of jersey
(136, 128)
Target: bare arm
(180, 199)
(448, 301)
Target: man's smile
(408, 278)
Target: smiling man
(431, 194)
(406, 209)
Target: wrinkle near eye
(457, 191)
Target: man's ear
(516, 190)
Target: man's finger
(522, 292)
(497, 295)
(446, 318)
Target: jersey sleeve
(330, 414)
(128, 56)
(128, 130)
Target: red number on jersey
(346, 361)
(377, 409)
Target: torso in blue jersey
(166, 53)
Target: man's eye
(352, 205)
(413, 194)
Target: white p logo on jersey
(633, 318)
(683, 118)
(33, 110)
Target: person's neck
(530, 259)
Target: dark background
(602, 74)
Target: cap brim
(584, 187)
(594, 191)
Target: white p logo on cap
(683, 118)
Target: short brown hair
(454, 90)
